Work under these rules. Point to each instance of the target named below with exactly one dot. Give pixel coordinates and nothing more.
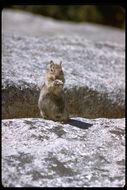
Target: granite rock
(80, 153)
(36, 25)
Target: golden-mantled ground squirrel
(52, 102)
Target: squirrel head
(55, 69)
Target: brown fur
(52, 102)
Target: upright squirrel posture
(52, 102)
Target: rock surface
(82, 153)
(19, 22)
(94, 70)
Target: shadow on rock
(79, 124)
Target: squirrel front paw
(58, 83)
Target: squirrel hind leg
(61, 117)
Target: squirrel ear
(51, 63)
(60, 63)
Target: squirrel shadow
(79, 124)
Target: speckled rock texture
(24, 23)
(94, 68)
(81, 153)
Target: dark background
(106, 15)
